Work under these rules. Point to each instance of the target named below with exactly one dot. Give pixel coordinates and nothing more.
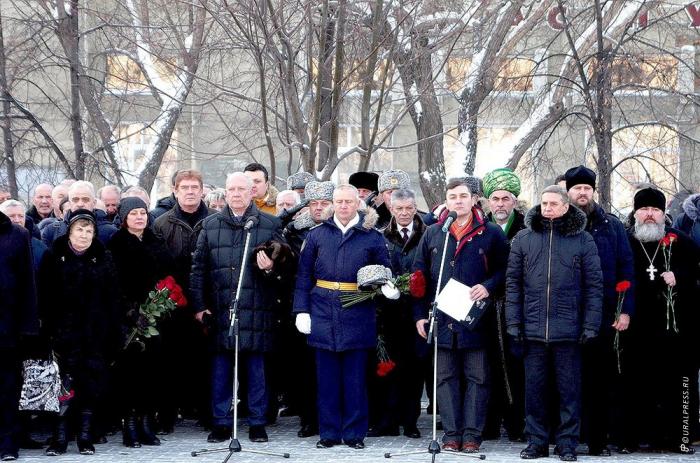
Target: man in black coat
(216, 267)
(182, 336)
(663, 343)
(603, 389)
(18, 318)
(507, 402)
(554, 295)
(395, 398)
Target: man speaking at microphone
(216, 267)
(477, 255)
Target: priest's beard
(646, 232)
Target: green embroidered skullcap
(501, 179)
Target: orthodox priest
(663, 345)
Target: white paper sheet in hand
(455, 300)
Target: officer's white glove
(390, 291)
(303, 323)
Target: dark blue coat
(18, 307)
(554, 285)
(479, 258)
(51, 229)
(616, 262)
(329, 255)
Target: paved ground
(178, 446)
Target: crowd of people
(583, 332)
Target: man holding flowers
(602, 387)
(663, 340)
(331, 256)
(395, 395)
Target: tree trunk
(68, 31)
(603, 129)
(7, 121)
(325, 77)
(431, 161)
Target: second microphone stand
(434, 446)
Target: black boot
(59, 439)
(85, 446)
(130, 437)
(146, 434)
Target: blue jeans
(463, 413)
(343, 411)
(563, 360)
(222, 388)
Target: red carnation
(160, 286)
(623, 286)
(666, 241)
(672, 237)
(67, 396)
(416, 284)
(384, 367)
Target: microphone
(448, 221)
(250, 223)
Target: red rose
(385, 367)
(67, 396)
(623, 286)
(416, 284)
(160, 286)
(181, 301)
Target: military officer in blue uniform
(332, 254)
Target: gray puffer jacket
(554, 283)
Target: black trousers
(10, 384)
(603, 388)
(561, 360)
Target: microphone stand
(434, 446)
(235, 445)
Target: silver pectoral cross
(651, 270)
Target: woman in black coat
(142, 260)
(81, 324)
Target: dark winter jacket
(140, 264)
(395, 318)
(554, 285)
(18, 306)
(295, 232)
(34, 214)
(478, 258)
(83, 322)
(330, 255)
(689, 220)
(215, 270)
(163, 205)
(616, 262)
(180, 238)
(32, 227)
(52, 229)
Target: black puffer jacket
(554, 284)
(83, 323)
(215, 269)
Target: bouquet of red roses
(167, 296)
